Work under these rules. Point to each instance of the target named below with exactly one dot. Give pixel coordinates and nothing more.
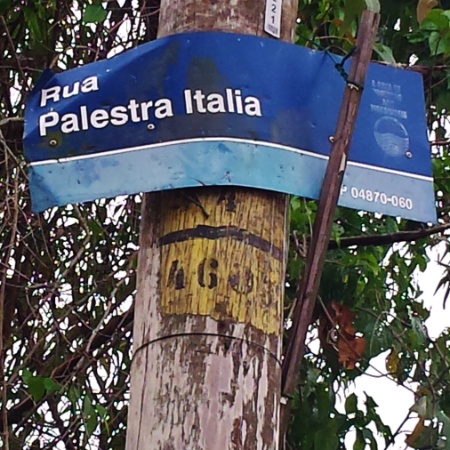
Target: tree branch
(64, 372)
(389, 238)
(364, 240)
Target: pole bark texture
(206, 370)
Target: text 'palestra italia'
(84, 117)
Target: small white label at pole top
(272, 17)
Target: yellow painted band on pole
(223, 271)
(224, 280)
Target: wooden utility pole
(206, 370)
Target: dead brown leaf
(424, 7)
(336, 331)
(414, 436)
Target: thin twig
(19, 66)
(389, 238)
(7, 120)
(394, 435)
(9, 250)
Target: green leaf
(352, 10)
(326, 438)
(360, 419)
(373, 5)
(438, 44)
(5, 5)
(51, 385)
(94, 13)
(33, 24)
(419, 330)
(444, 403)
(91, 424)
(391, 225)
(368, 436)
(445, 429)
(422, 261)
(337, 231)
(95, 228)
(385, 53)
(435, 21)
(360, 443)
(417, 37)
(323, 401)
(87, 406)
(36, 388)
(101, 410)
(102, 414)
(295, 203)
(351, 404)
(370, 403)
(26, 375)
(372, 262)
(90, 413)
(74, 395)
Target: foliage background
(67, 276)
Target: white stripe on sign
(224, 140)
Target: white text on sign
(196, 101)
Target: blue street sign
(212, 108)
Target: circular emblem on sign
(391, 136)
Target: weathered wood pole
(208, 315)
